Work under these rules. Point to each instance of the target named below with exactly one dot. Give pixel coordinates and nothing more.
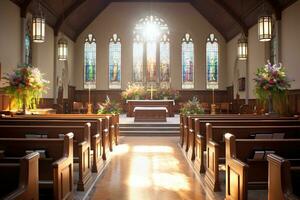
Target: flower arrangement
(192, 107)
(167, 93)
(134, 91)
(271, 84)
(25, 87)
(109, 107)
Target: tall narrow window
(164, 59)
(212, 62)
(187, 62)
(90, 62)
(138, 59)
(28, 46)
(151, 61)
(151, 51)
(115, 62)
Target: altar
(168, 104)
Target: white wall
(121, 18)
(10, 36)
(291, 42)
(259, 51)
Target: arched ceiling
(229, 17)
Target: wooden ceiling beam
(276, 8)
(24, 8)
(66, 13)
(234, 16)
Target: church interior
(150, 99)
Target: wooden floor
(145, 168)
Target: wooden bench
(283, 178)
(186, 122)
(98, 134)
(113, 122)
(81, 143)
(20, 180)
(244, 172)
(150, 114)
(215, 149)
(55, 170)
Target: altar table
(150, 114)
(168, 104)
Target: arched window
(28, 45)
(115, 62)
(151, 51)
(90, 62)
(138, 59)
(164, 59)
(187, 62)
(212, 62)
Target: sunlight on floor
(121, 149)
(152, 149)
(171, 181)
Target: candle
(89, 93)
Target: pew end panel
(199, 154)
(28, 179)
(96, 145)
(279, 179)
(236, 172)
(212, 166)
(84, 152)
(63, 171)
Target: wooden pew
(283, 178)
(113, 122)
(55, 170)
(81, 143)
(215, 148)
(244, 172)
(187, 125)
(23, 177)
(98, 134)
(197, 144)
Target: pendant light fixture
(243, 48)
(265, 22)
(62, 49)
(62, 45)
(38, 25)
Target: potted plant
(25, 87)
(192, 107)
(271, 86)
(134, 92)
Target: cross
(151, 90)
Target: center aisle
(145, 168)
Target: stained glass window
(151, 61)
(187, 62)
(151, 51)
(138, 59)
(164, 59)
(27, 45)
(27, 49)
(90, 62)
(212, 62)
(115, 62)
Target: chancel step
(146, 129)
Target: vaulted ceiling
(229, 17)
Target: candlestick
(89, 104)
(213, 96)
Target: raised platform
(130, 128)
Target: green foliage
(192, 107)
(25, 85)
(110, 107)
(272, 83)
